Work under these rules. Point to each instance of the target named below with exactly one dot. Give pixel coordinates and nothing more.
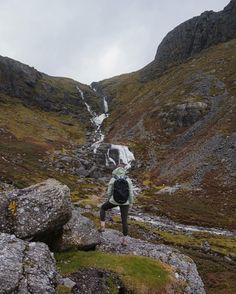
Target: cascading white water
(124, 154)
(97, 120)
(86, 104)
(105, 104)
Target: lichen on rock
(26, 267)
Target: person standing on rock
(120, 193)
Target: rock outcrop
(79, 233)
(194, 35)
(26, 267)
(36, 212)
(183, 115)
(17, 79)
(185, 268)
(45, 92)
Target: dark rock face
(193, 36)
(79, 233)
(48, 93)
(183, 115)
(36, 212)
(26, 267)
(17, 79)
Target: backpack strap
(122, 177)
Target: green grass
(63, 290)
(40, 126)
(222, 245)
(136, 272)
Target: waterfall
(86, 104)
(124, 154)
(97, 121)
(105, 104)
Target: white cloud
(89, 40)
(109, 60)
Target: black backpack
(121, 190)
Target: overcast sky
(89, 40)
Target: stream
(166, 224)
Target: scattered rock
(68, 283)
(169, 190)
(206, 246)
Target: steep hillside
(39, 115)
(181, 126)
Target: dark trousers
(124, 214)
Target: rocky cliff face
(192, 36)
(38, 89)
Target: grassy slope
(135, 121)
(30, 132)
(140, 274)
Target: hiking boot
(124, 241)
(102, 227)
(101, 230)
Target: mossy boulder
(37, 212)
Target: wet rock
(36, 212)
(79, 233)
(101, 154)
(182, 264)
(26, 267)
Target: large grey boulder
(184, 267)
(79, 233)
(36, 212)
(26, 267)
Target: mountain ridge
(192, 36)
